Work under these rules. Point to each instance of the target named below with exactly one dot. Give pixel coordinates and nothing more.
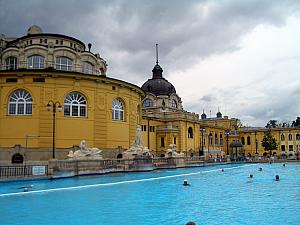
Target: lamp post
(255, 144)
(227, 134)
(202, 143)
(54, 106)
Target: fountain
(85, 153)
(137, 150)
(172, 153)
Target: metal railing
(19, 171)
(50, 65)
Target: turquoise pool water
(158, 197)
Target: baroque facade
(41, 71)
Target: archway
(17, 158)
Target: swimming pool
(158, 197)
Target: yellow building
(40, 70)
(287, 138)
(165, 122)
(54, 93)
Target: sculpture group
(85, 153)
(137, 149)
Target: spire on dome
(203, 116)
(157, 70)
(219, 114)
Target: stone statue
(137, 149)
(138, 140)
(171, 152)
(85, 153)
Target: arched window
(36, 62)
(243, 140)
(120, 156)
(210, 139)
(88, 68)
(17, 158)
(174, 104)
(290, 137)
(147, 103)
(282, 137)
(216, 139)
(117, 109)
(11, 63)
(297, 137)
(190, 132)
(75, 105)
(221, 139)
(248, 140)
(20, 103)
(64, 63)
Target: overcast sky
(242, 56)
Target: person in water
(185, 183)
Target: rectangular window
(12, 109)
(162, 142)
(67, 110)
(144, 127)
(151, 128)
(290, 147)
(75, 110)
(174, 140)
(28, 108)
(21, 109)
(45, 41)
(282, 148)
(82, 110)
(38, 80)
(41, 41)
(56, 42)
(11, 80)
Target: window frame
(174, 104)
(17, 107)
(88, 70)
(118, 110)
(147, 103)
(40, 64)
(11, 63)
(65, 66)
(190, 132)
(75, 102)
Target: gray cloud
(125, 32)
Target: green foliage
(269, 142)
(296, 122)
(272, 124)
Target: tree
(272, 124)
(296, 122)
(269, 142)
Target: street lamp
(227, 134)
(54, 105)
(202, 143)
